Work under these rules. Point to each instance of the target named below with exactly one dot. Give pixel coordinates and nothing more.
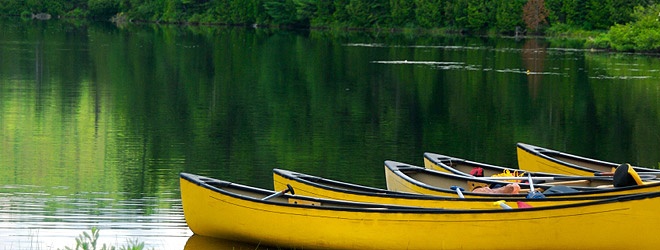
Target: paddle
(643, 175)
(289, 188)
(502, 204)
(533, 194)
(547, 178)
(458, 191)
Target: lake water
(97, 121)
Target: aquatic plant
(87, 241)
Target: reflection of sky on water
(366, 45)
(616, 70)
(33, 217)
(417, 62)
(463, 66)
(619, 77)
(458, 47)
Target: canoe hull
(610, 224)
(538, 159)
(532, 161)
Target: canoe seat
(475, 184)
(625, 176)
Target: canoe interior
(434, 180)
(465, 167)
(339, 185)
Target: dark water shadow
(199, 242)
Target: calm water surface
(96, 121)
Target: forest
(626, 25)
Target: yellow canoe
(538, 159)
(458, 166)
(314, 186)
(221, 209)
(408, 178)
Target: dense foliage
(470, 15)
(458, 15)
(643, 34)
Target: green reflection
(124, 110)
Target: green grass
(87, 241)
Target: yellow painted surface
(533, 163)
(615, 225)
(428, 164)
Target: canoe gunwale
(439, 159)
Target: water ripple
(417, 62)
(32, 218)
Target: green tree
(641, 35)
(621, 11)
(574, 11)
(597, 16)
(44, 6)
(555, 11)
(306, 10)
(219, 12)
(242, 12)
(367, 13)
(478, 14)
(457, 13)
(429, 13)
(324, 12)
(12, 7)
(172, 11)
(402, 12)
(341, 15)
(149, 10)
(475, 15)
(291, 12)
(508, 15)
(102, 9)
(282, 12)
